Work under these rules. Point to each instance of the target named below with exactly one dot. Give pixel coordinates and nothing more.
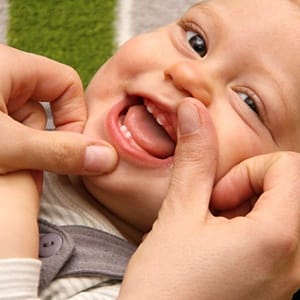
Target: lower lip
(123, 145)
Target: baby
(239, 58)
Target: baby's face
(240, 58)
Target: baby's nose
(191, 78)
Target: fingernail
(188, 118)
(99, 159)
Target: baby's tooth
(128, 135)
(125, 131)
(161, 119)
(150, 108)
(123, 128)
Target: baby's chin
(123, 204)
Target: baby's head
(240, 58)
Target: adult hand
(27, 79)
(192, 254)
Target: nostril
(185, 93)
(180, 76)
(167, 76)
(193, 79)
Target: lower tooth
(123, 128)
(128, 135)
(125, 131)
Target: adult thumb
(56, 151)
(195, 158)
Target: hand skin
(26, 79)
(192, 254)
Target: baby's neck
(128, 231)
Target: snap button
(50, 243)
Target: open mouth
(148, 128)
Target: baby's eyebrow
(296, 4)
(198, 3)
(212, 14)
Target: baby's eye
(249, 101)
(197, 42)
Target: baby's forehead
(246, 4)
(260, 17)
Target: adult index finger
(26, 76)
(195, 159)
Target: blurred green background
(76, 32)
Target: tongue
(147, 133)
